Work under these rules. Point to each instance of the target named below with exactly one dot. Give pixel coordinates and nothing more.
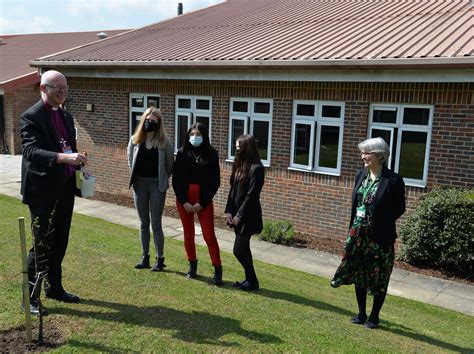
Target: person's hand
(72, 159)
(235, 220)
(197, 207)
(189, 208)
(228, 219)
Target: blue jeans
(149, 202)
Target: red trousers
(206, 219)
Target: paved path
(439, 292)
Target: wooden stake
(26, 288)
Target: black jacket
(42, 179)
(389, 205)
(244, 201)
(209, 175)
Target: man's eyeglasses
(57, 88)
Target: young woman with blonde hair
(150, 158)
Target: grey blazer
(165, 163)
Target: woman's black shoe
(249, 286)
(238, 284)
(359, 319)
(217, 279)
(192, 272)
(144, 262)
(372, 324)
(159, 265)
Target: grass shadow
(89, 347)
(385, 325)
(408, 332)
(197, 327)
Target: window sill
(232, 161)
(336, 174)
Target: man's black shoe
(34, 309)
(64, 297)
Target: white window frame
(192, 113)
(403, 127)
(232, 118)
(139, 109)
(391, 130)
(312, 124)
(317, 121)
(249, 118)
(177, 143)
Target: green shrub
(440, 232)
(277, 231)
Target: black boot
(192, 272)
(144, 262)
(217, 279)
(159, 265)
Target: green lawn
(124, 309)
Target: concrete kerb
(439, 292)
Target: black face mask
(151, 126)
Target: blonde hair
(159, 137)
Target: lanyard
(368, 187)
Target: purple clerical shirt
(64, 142)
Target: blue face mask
(195, 141)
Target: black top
(192, 167)
(147, 162)
(42, 179)
(244, 201)
(389, 205)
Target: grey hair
(378, 146)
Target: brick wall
(15, 103)
(316, 204)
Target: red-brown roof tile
(16, 51)
(297, 31)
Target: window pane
(240, 106)
(382, 133)
(237, 130)
(184, 103)
(261, 107)
(412, 154)
(135, 120)
(182, 129)
(302, 144)
(383, 116)
(419, 116)
(305, 110)
(260, 132)
(202, 104)
(138, 102)
(329, 146)
(385, 135)
(331, 111)
(203, 120)
(153, 101)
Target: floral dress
(364, 263)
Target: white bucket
(88, 187)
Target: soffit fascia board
(335, 63)
(274, 74)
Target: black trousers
(244, 255)
(50, 226)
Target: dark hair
(247, 156)
(205, 146)
(204, 133)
